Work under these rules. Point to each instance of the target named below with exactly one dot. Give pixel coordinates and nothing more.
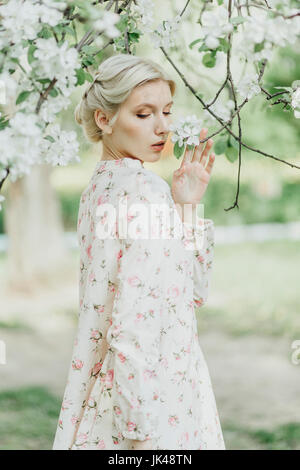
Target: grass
(28, 420)
(254, 288)
(283, 437)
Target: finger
(210, 163)
(188, 155)
(204, 155)
(199, 148)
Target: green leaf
(220, 2)
(233, 142)
(231, 154)
(259, 46)
(224, 45)
(30, 56)
(200, 95)
(209, 60)
(203, 47)
(88, 77)
(284, 88)
(80, 74)
(220, 146)
(43, 80)
(178, 151)
(50, 138)
(191, 45)
(133, 37)
(22, 96)
(45, 33)
(53, 92)
(70, 31)
(88, 60)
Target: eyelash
(143, 116)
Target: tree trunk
(36, 247)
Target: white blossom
(63, 150)
(222, 110)
(295, 102)
(106, 24)
(215, 25)
(248, 86)
(165, 34)
(186, 130)
(146, 8)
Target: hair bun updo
(113, 82)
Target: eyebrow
(150, 105)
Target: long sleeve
(199, 238)
(134, 334)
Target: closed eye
(142, 116)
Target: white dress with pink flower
(137, 369)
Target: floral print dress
(137, 369)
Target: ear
(102, 119)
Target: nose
(162, 125)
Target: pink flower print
(60, 424)
(134, 403)
(173, 420)
(77, 364)
(131, 426)
(96, 335)
(198, 302)
(139, 317)
(133, 281)
(200, 258)
(80, 302)
(82, 437)
(130, 376)
(193, 383)
(99, 308)
(101, 200)
(74, 420)
(188, 349)
(88, 251)
(65, 403)
(121, 357)
(155, 396)
(185, 437)
(92, 277)
(79, 221)
(92, 226)
(117, 410)
(109, 378)
(97, 368)
(101, 444)
(120, 254)
(94, 187)
(164, 362)
(148, 374)
(83, 198)
(173, 291)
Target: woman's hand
(191, 179)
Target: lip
(162, 142)
(158, 146)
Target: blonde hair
(116, 77)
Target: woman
(138, 378)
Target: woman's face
(143, 120)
